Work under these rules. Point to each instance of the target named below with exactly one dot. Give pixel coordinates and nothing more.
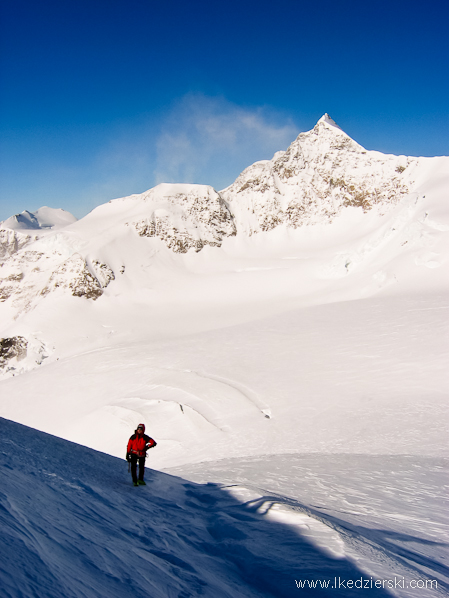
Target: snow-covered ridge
(181, 216)
(322, 172)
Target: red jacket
(139, 444)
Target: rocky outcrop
(11, 348)
(186, 217)
(11, 242)
(75, 275)
(19, 354)
(102, 273)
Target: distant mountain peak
(24, 220)
(41, 219)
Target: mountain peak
(327, 120)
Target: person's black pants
(134, 459)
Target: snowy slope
(367, 376)
(73, 525)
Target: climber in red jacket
(138, 445)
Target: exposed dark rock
(12, 347)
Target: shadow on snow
(74, 526)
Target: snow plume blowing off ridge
(73, 526)
(200, 134)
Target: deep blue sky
(101, 99)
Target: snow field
(365, 376)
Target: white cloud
(210, 140)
